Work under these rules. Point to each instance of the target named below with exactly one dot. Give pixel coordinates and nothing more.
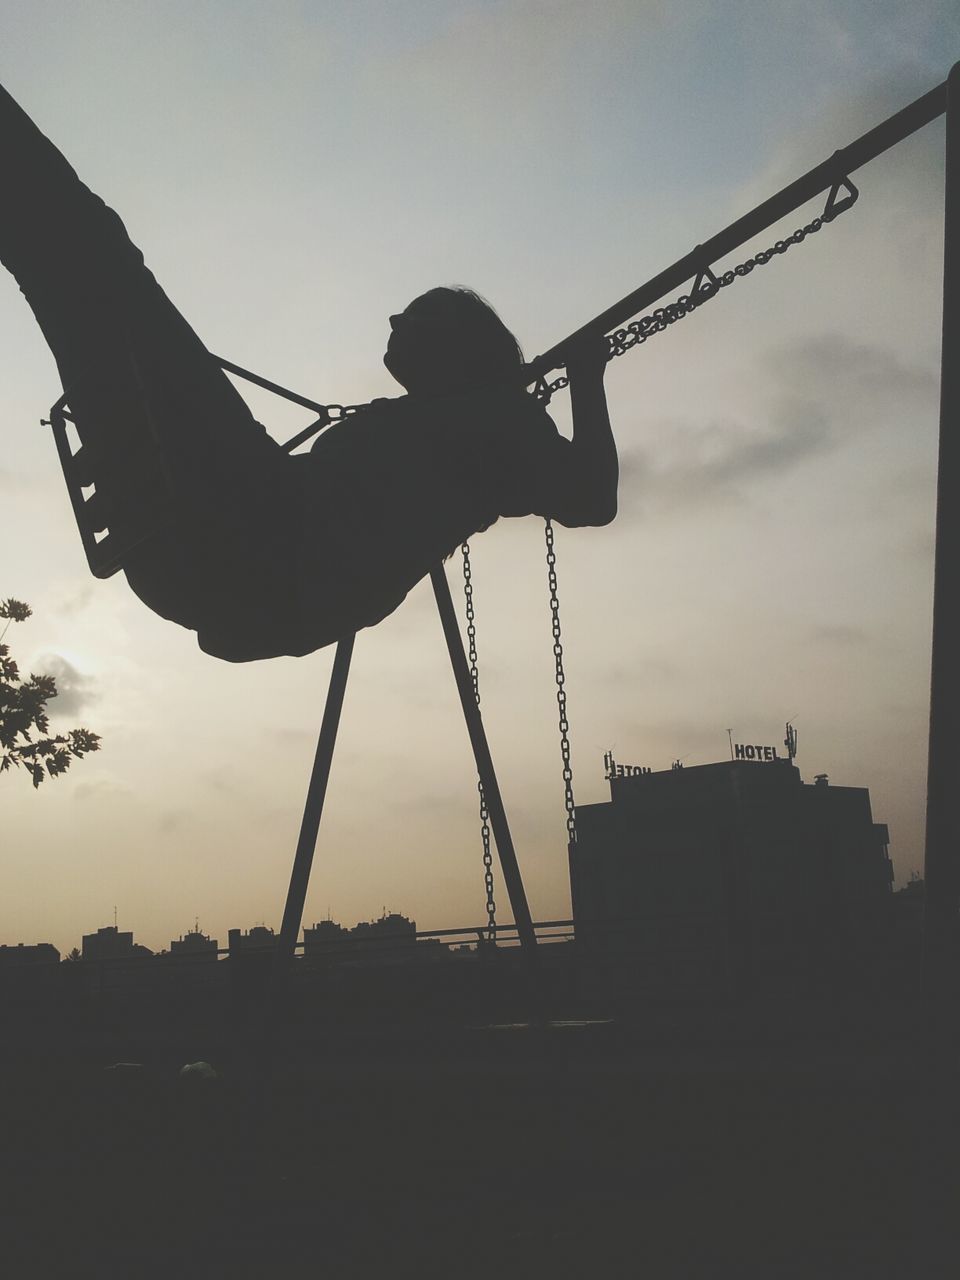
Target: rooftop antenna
(730, 740)
(790, 742)
(114, 915)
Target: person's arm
(584, 484)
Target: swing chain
(706, 286)
(338, 412)
(564, 723)
(475, 680)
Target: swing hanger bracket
(706, 283)
(837, 203)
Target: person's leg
(132, 367)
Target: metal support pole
(488, 777)
(840, 165)
(941, 941)
(313, 808)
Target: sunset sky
(295, 173)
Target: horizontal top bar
(840, 165)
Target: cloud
(619, 675)
(448, 804)
(225, 781)
(75, 600)
(292, 738)
(921, 546)
(511, 57)
(823, 392)
(865, 377)
(718, 461)
(74, 689)
(173, 820)
(836, 122)
(838, 634)
(104, 787)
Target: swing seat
(197, 532)
(125, 495)
(119, 501)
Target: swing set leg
(270, 1003)
(316, 793)
(313, 807)
(941, 930)
(488, 778)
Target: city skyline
(757, 754)
(249, 934)
(773, 554)
(743, 846)
(198, 931)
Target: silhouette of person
(271, 553)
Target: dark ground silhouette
(762, 1138)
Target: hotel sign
(614, 770)
(750, 751)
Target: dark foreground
(659, 1145)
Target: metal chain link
(475, 680)
(706, 286)
(564, 724)
(338, 412)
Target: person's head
(451, 340)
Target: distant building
(391, 932)
(109, 944)
(906, 918)
(251, 954)
(260, 939)
(194, 946)
(391, 937)
(727, 870)
(24, 955)
(325, 939)
(431, 949)
(911, 896)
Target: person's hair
(479, 345)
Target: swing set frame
(941, 953)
